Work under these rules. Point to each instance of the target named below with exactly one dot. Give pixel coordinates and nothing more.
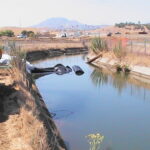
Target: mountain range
(64, 24)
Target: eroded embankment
(41, 54)
(25, 123)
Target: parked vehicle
(21, 36)
(109, 34)
(143, 32)
(117, 33)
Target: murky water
(114, 105)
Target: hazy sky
(30, 12)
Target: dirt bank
(48, 53)
(25, 123)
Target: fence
(141, 47)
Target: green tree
(8, 33)
(31, 34)
(24, 32)
(28, 33)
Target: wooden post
(145, 46)
(131, 46)
(93, 59)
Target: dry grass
(23, 130)
(26, 132)
(5, 77)
(46, 46)
(27, 126)
(141, 60)
(133, 54)
(129, 59)
(25, 123)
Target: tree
(31, 34)
(24, 33)
(28, 33)
(8, 33)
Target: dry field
(50, 45)
(18, 30)
(45, 44)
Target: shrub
(8, 33)
(31, 34)
(120, 25)
(95, 141)
(18, 56)
(126, 68)
(119, 50)
(24, 32)
(118, 68)
(98, 45)
(28, 33)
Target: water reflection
(120, 81)
(98, 77)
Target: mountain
(63, 23)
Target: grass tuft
(98, 45)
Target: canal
(114, 105)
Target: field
(137, 45)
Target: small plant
(119, 50)
(98, 45)
(95, 141)
(118, 68)
(16, 51)
(18, 57)
(126, 68)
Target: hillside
(63, 23)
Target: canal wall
(42, 54)
(140, 73)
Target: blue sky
(30, 12)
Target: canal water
(114, 105)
